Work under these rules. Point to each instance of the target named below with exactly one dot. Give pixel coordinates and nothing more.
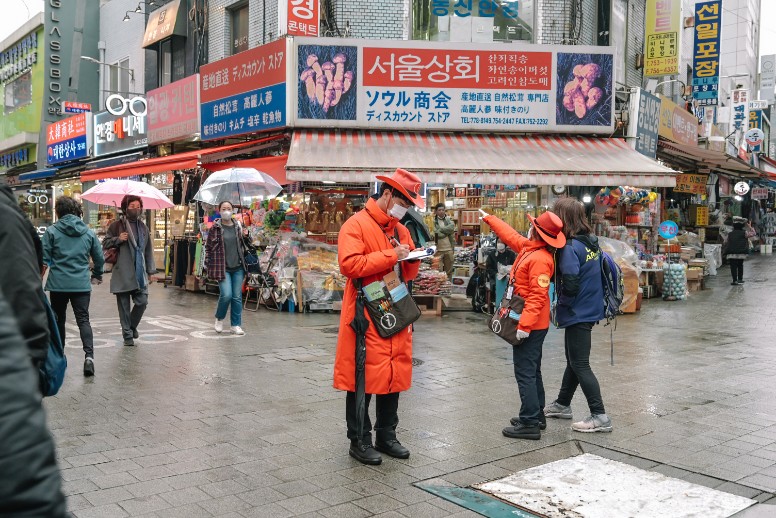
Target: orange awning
(187, 160)
(275, 166)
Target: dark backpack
(52, 372)
(614, 289)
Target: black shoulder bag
(505, 320)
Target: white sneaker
(238, 330)
(219, 326)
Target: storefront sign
(73, 107)
(767, 76)
(412, 85)
(691, 183)
(760, 193)
(755, 122)
(16, 158)
(677, 124)
(173, 111)
(69, 139)
(161, 23)
(117, 133)
(483, 9)
(647, 123)
(668, 229)
(758, 104)
(741, 188)
(754, 137)
(244, 93)
(18, 59)
(706, 52)
(702, 216)
(302, 17)
(739, 109)
(662, 37)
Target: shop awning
(275, 166)
(39, 174)
(716, 161)
(357, 156)
(187, 160)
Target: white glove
(522, 335)
(483, 214)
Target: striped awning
(357, 156)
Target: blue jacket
(67, 246)
(581, 297)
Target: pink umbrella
(111, 192)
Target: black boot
(364, 453)
(521, 431)
(388, 443)
(542, 421)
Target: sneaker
(237, 330)
(521, 431)
(734, 283)
(219, 326)
(88, 367)
(593, 423)
(555, 409)
(542, 421)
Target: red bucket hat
(406, 183)
(550, 229)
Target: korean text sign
(691, 183)
(117, 133)
(382, 84)
(173, 111)
(244, 93)
(677, 124)
(303, 17)
(69, 139)
(662, 37)
(739, 109)
(647, 124)
(706, 52)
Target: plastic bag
(628, 262)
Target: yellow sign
(702, 216)
(677, 124)
(691, 183)
(662, 37)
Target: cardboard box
(695, 285)
(192, 283)
(694, 274)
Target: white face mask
(226, 214)
(501, 247)
(397, 211)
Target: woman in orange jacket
(530, 278)
(368, 250)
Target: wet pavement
(190, 423)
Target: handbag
(505, 320)
(111, 255)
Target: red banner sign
(303, 17)
(67, 129)
(173, 110)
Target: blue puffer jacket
(581, 297)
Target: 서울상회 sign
(244, 93)
(412, 85)
(173, 111)
(662, 37)
(69, 139)
(706, 52)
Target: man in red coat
(368, 250)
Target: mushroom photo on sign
(584, 89)
(327, 82)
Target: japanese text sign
(161, 23)
(706, 52)
(382, 84)
(117, 133)
(69, 139)
(691, 183)
(173, 111)
(677, 124)
(662, 37)
(244, 93)
(303, 17)
(739, 109)
(647, 122)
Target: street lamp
(97, 61)
(138, 9)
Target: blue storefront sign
(647, 124)
(706, 52)
(69, 139)
(256, 110)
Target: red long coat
(366, 253)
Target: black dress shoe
(521, 431)
(542, 421)
(88, 367)
(365, 454)
(129, 342)
(134, 333)
(393, 448)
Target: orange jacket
(366, 253)
(532, 272)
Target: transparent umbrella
(239, 185)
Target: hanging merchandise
(177, 189)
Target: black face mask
(133, 214)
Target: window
(18, 92)
(239, 25)
(119, 77)
(473, 20)
(165, 62)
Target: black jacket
(737, 243)
(20, 278)
(30, 483)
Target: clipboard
(420, 253)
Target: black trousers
(527, 360)
(386, 410)
(737, 269)
(80, 303)
(578, 372)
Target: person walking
(67, 246)
(736, 252)
(371, 244)
(578, 309)
(530, 277)
(444, 234)
(135, 266)
(498, 265)
(225, 263)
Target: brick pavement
(190, 425)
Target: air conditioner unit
(689, 22)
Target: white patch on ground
(589, 486)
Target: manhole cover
(416, 362)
